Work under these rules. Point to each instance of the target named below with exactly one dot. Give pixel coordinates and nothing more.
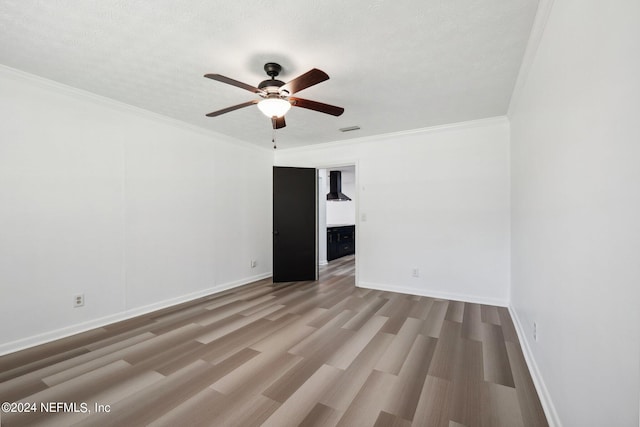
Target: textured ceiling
(394, 65)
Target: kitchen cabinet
(341, 241)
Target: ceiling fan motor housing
(272, 84)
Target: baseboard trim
(60, 333)
(545, 398)
(435, 294)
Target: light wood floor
(309, 353)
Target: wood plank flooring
(307, 353)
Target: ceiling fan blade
(232, 82)
(235, 107)
(308, 79)
(278, 122)
(316, 106)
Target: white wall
(343, 212)
(434, 199)
(134, 210)
(575, 134)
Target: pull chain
(273, 132)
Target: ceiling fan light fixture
(274, 107)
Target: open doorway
(337, 214)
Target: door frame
(358, 189)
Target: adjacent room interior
(486, 271)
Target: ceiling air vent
(349, 129)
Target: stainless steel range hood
(335, 188)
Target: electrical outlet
(415, 272)
(535, 331)
(254, 263)
(78, 300)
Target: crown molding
(490, 121)
(117, 105)
(535, 37)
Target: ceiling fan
(275, 95)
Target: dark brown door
(294, 224)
